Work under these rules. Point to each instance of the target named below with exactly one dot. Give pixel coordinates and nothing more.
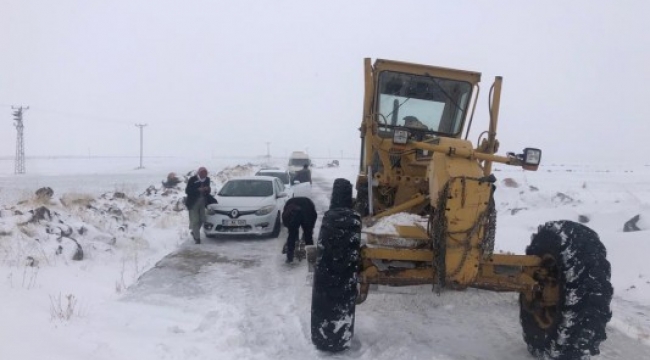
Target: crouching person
(298, 212)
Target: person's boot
(300, 253)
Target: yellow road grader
(416, 159)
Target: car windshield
(261, 188)
(278, 174)
(423, 103)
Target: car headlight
(265, 210)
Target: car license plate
(233, 222)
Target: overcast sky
(222, 78)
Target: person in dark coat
(198, 191)
(298, 212)
(303, 175)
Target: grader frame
(411, 171)
(420, 164)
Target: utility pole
(141, 126)
(268, 152)
(20, 141)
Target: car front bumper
(254, 225)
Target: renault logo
(234, 213)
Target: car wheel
(277, 227)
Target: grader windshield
(422, 103)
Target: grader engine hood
(458, 228)
(442, 167)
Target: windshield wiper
(435, 81)
(396, 109)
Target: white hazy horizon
(217, 78)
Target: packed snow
(386, 225)
(141, 289)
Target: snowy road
(245, 303)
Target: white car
(283, 175)
(247, 205)
(297, 189)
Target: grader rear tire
(341, 194)
(334, 290)
(361, 201)
(576, 259)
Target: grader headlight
(531, 158)
(400, 136)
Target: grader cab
(416, 160)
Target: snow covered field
(144, 291)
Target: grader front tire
(576, 260)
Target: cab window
(422, 103)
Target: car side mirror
(282, 195)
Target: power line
(86, 117)
(19, 166)
(268, 151)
